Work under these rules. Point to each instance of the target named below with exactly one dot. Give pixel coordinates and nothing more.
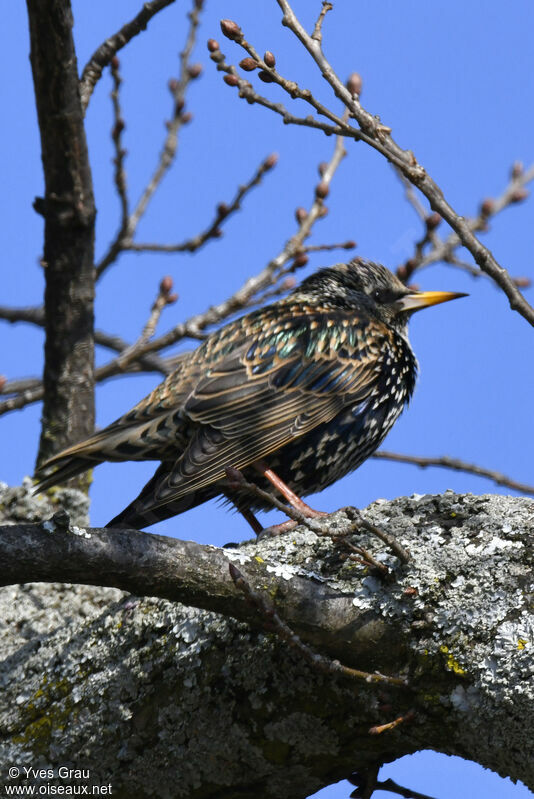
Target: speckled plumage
(310, 385)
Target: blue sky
(453, 80)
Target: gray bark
(159, 699)
(69, 213)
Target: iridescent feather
(310, 385)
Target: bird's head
(369, 286)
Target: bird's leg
(296, 502)
(247, 514)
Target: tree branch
(222, 213)
(187, 687)
(443, 249)
(92, 72)
(374, 133)
(35, 316)
(178, 89)
(269, 276)
(457, 465)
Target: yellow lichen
(452, 663)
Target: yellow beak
(424, 299)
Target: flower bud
(271, 161)
(248, 64)
(432, 221)
(166, 285)
(354, 83)
(519, 195)
(517, 170)
(487, 206)
(231, 29)
(194, 70)
(269, 59)
(300, 260)
(522, 282)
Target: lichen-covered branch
(140, 690)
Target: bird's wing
(134, 436)
(293, 375)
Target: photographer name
(62, 773)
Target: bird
(294, 395)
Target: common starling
(303, 390)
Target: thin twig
(236, 480)
(406, 793)
(35, 316)
(32, 314)
(320, 662)
(456, 465)
(443, 249)
(378, 136)
(378, 729)
(164, 297)
(367, 782)
(318, 29)
(286, 285)
(359, 521)
(269, 276)
(411, 196)
(120, 152)
(168, 153)
(102, 56)
(19, 385)
(21, 400)
(251, 292)
(344, 245)
(223, 211)
(247, 92)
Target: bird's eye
(384, 295)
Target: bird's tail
(110, 444)
(145, 510)
(46, 476)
